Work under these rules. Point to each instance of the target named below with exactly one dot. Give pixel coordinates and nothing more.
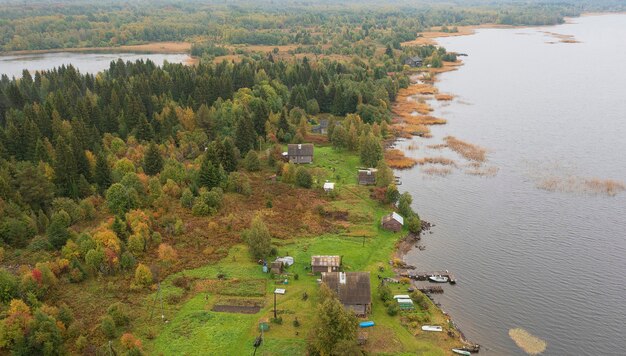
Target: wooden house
(325, 263)
(392, 222)
(300, 153)
(353, 290)
(413, 62)
(367, 176)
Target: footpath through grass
(193, 328)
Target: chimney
(299, 146)
(342, 277)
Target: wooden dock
(431, 289)
(423, 276)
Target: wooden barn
(325, 264)
(300, 153)
(367, 176)
(415, 61)
(353, 290)
(392, 222)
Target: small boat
(432, 328)
(366, 324)
(438, 279)
(461, 352)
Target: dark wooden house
(352, 288)
(392, 222)
(415, 61)
(300, 153)
(367, 176)
(325, 263)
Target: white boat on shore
(432, 328)
(461, 352)
(438, 279)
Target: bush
(120, 313)
(296, 323)
(278, 320)
(251, 162)
(127, 261)
(239, 183)
(414, 224)
(384, 293)
(303, 178)
(108, 327)
(392, 308)
(186, 198)
(143, 275)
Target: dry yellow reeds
(573, 184)
(490, 171)
(465, 149)
(444, 97)
(438, 146)
(423, 108)
(604, 186)
(436, 160)
(526, 341)
(413, 146)
(424, 120)
(396, 159)
(437, 171)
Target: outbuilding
(392, 222)
(414, 61)
(325, 263)
(367, 176)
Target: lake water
(550, 261)
(13, 65)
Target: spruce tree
(245, 135)
(65, 170)
(102, 173)
(210, 175)
(152, 161)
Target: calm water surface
(85, 62)
(553, 263)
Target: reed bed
(596, 186)
(465, 149)
(436, 171)
(444, 97)
(396, 159)
(436, 160)
(482, 171)
(413, 146)
(439, 146)
(423, 108)
(526, 341)
(425, 120)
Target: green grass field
(192, 327)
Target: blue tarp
(366, 324)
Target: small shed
(415, 61)
(367, 176)
(328, 186)
(276, 267)
(287, 260)
(300, 153)
(325, 263)
(321, 128)
(392, 222)
(353, 290)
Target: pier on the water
(423, 276)
(430, 289)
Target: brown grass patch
(396, 159)
(526, 341)
(437, 171)
(153, 47)
(444, 97)
(465, 149)
(436, 160)
(561, 37)
(429, 37)
(425, 120)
